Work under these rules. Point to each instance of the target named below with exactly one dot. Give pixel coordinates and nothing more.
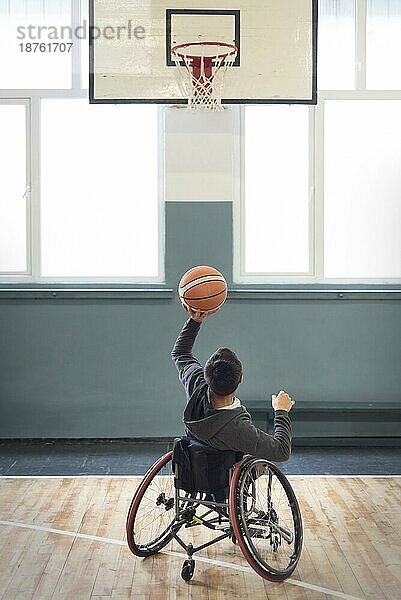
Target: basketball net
(202, 68)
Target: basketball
(203, 288)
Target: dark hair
(223, 372)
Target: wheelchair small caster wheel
(188, 569)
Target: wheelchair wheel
(188, 569)
(152, 511)
(266, 518)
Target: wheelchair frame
(220, 517)
(188, 518)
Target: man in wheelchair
(219, 475)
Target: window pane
(35, 22)
(276, 189)
(336, 48)
(99, 190)
(383, 44)
(13, 234)
(85, 44)
(363, 189)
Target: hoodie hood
(215, 420)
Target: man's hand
(198, 315)
(282, 402)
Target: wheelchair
(242, 498)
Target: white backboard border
(312, 100)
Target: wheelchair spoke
(152, 511)
(266, 518)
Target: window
(99, 195)
(362, 189)
(88, 208)
(13, 187)
(276, 179)
(24, 22)
(383, 44)
(336, 61)
(321, 199)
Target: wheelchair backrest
(201, 468)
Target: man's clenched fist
(282, 401)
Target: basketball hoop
(202, 68)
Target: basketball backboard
(131, 57)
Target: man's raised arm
(189, 368)
(182, 350)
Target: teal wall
(73, 367)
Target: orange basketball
(203, 288)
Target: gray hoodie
(224, 429)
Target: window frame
(32, 99)
(315, 276)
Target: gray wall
(101, 367)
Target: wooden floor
(352, 545)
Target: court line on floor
(96, 538)
(131, 476)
